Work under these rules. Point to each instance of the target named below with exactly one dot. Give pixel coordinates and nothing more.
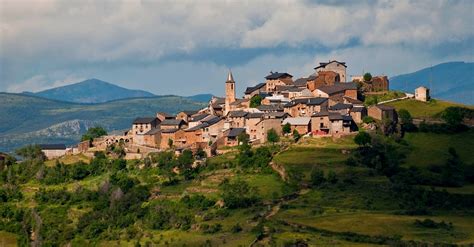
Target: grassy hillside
(359, 208)
(420, 109)
(26, 114)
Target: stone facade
(422, 94)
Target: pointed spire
(230, 78)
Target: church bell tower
(229, 92)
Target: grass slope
(420, 109)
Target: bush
(317, 177)
(362, 139)
(286, 128)
(238, 194)
(296, 135)
(272, 136)
(368, 120)
(236, 228)
(428, 223)
(367, 77)
(256, 101)
(94, 132)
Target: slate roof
(166, 115)
(237, 114)
(297, 120)
(249, 90)
(321, 114)
(353, 101)
(385, 107)
(144, 120)
(270, 108)
(340, 106)
(234, 132)
(153, 131)
(212, 120)
(278, 114)
(197, 127)
(347, 118)
(276, 75)
(307, 101)
(168, 122)
(169, 130)
(239, 101)
(357, 109)
(189, 113)
(52, 146)
(335, 116)
(255, 115)
(199, 117)
(301, 82)
(323, 65)
(338, 87)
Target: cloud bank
(186, 47)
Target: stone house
(295, 92)
(322, 78)
(52, 151)
(320, 123)
(237, 119)
(186, 115)
(338, 90)
(216, 106)
(352, 101)
(340, 124)
(275, 99)
(231, 136)
(277, 79)
(142, 125)
(358, 113)
(301, 82)
(335, 66)
(341, 108)
(381, 112)
(172, 124)
(198, 119)
(301, 124)
(258, 124)
(255, 90)
(176, 135)
(305, 107)
(239, 104)
(422, 94)
(150, 139)
(163, 115)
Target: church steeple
(230, 77)
(229, 92)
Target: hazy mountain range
(453, 81)
(31, 119)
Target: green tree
(272, 136)
(296, 135)
(94, 132)
(317, 177)
(238, 194)
(255, 101)
(453, 116)
(31, 152)
(362, 139)
(243, 139)
(406, 120)
(368, 119)
(286, 128)
(367, 77)
(170, 143)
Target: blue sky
(186, 47)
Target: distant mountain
(31, 119)
(91, 91)
(201, 97)
(453, 81)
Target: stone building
(338, 90)
(305, 107)
(255, 90)
(142, 125)
(322, 78)
(52, 151)
(277, 79)
(300, 124)
(381, 112)
(422, 94)
(335, 66)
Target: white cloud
(83, 39)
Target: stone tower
(229, 92)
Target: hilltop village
(322, 104)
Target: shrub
(238, 194)
(362, 139)
(368, 120)
(317, 177)
(272, 136)
(367, 77)
(286, 128)
(93, 132)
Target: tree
(94, 132)
(238, 194)
(31, 152)
(243, 139)
(453, 116)
(286, 128)
(296, 135)
(362, 139)
(255, 101)
(406, 120)
(367, 77)
(368, 120)
(272, 136)
(317, 177)
(170, 143)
